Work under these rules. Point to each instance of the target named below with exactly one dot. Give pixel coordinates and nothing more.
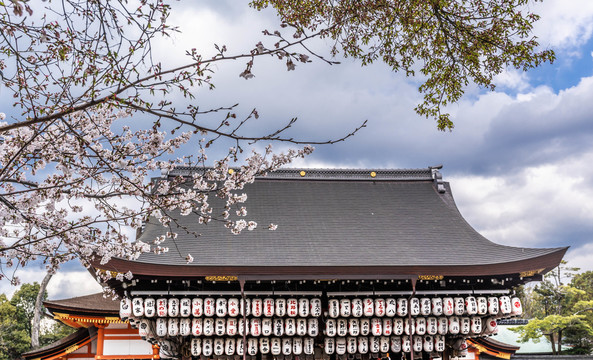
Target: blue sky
(519, 159)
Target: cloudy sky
(519, 159)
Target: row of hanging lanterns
(236, 346)
(305, 307)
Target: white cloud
(564, 24)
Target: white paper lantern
(365, 326)
(257, 307)
(402, 307)
(409, 326)
(149, 307)
(428, 344)
(342, 327)
(454, 326)
(315, 307)
(376, 327)
(234, 307)
(418, 343)
(138, 307)
(185, 307)
(465, 325)
(264, 345)
(309, 346)
(368, 307)
(379, 307)
(286, 346)
(517, 309)
(303, 307)
(196, 347)
(398, 326)
(363, 344)
(505, 305)
(208, 326)
(276, 346)
(173, 329)
(269, 307)
(333, 308)
(239, 346)
(491, 326)
(144, 328)
(476, 325)
(384, 344)
(218, 346)
(330, 327)
(443, 327)
(266, 327)
(351, 345)
(290, 327)
(255, 327)
(229, 347)
(415, 306)
(406, 345)
(439, 343)
(312, 327)
(482, 305)
(425, 308)
(390, 307)
(297, 346)
(252, 345)
(493, 305)
(345, 307)
(396, 344)
(459, 306)
(231, 326)
(448, 306)
(196, 327)
(280, 307)
(185, 326)
(374, 344)
(437, 306)
(340, 345)
(220, 326)
(357, 307)
(278, 326)
(173, 307)
(387, 326)
(245, 309)
(161, 327)
(197, 307)
(292, 307)
(353, 327)
(243, 327)
(221, 307)
(420, 326)
(432, 325)
(301, 327)
(471, 305)
(125, 309)
(329, 345)
(209, 307)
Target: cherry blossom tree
(98, 113)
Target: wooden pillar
(100, 339)
(155, 351)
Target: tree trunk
(553, 344)
(560, 342)
(39, 311)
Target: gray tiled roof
(338, 218)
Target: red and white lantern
(245, 309)
(243, 327)
(231, 326)
(144, 328)
(402, 307)
(341, 327)
(517, 307)
(465, 325)
(432, 325)
(269, 307)
(292, 307)
(312, 327)
(379, 307)
(125, 309)
(197, 307)
(439, 343)
(376, 327)
(196, 327)
(149, 307)
(398, 326)
(505, 305)
(390, 307)
(240, 346)
(418, 343)
(351, 345)
(329, 345)
(353, 327)
(233, 304)
(330, 327)
(365, 326)
(482, 305)
(368, 306)
(454, 326)
(374, 344)
(255, 327)
(387, 326)
(443, 325)
(437, 306)
(185, 307)
(476, 325)
(471, 305)
(491, 326)
(406, 345)
(209, 307)
(161, 307)
(257, 307)
(208, 326)
(409, 326)
(229, 347)
(138, 307)
(428, 344)
(459, 306)
(425, 308)
(420, 326)
(280, 307)
(448, 306)
(415, 306)
(493, 305)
